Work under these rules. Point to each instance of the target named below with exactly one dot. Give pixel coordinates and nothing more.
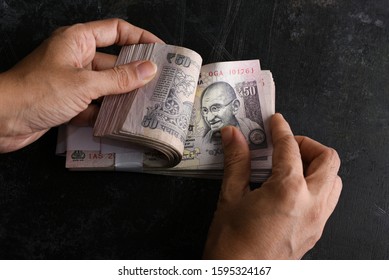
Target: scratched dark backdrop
(330, 61)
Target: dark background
(330, 61)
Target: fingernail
(226, 135)
(146, 70)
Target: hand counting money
(172, 125)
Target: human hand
(59, 80)
(285, 217)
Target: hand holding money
(60, 79)
(285, 217)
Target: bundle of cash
(172, 125)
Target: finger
(237, 169)
(116, 31)
(82, 39)
(120, 79)
(103, 61)
(321, 163)
(309, 148)
(86, 117)
(286, 153)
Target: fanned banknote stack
(172, 125)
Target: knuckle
(338, 182)
(285, 140)
(123, 78)
(291, 191)
(68, 30)
(289, 149)
(233, 158)
(316, 214)
(313, 239)
(291, 181)
(332, 155)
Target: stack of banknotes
(172, 125)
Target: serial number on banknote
(231, 72)
(101, 156)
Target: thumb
(123, 78)
(237, 165)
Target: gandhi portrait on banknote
(219, 108)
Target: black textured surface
(330, 61)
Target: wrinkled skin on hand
(285, 217)
(58, 81)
